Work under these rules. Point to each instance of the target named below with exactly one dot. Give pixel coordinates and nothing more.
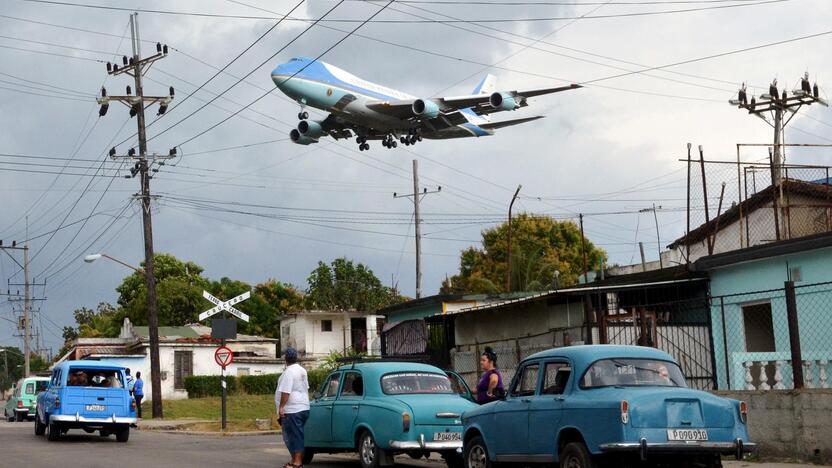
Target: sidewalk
(186, 427)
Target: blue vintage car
(383, 408)
(588, 406)
(88, 395)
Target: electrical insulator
(124, 59)
(115, 67)
(172, 152)
(129, 90)
(127, 177)
(131, 152)
(133, 111)
(158, 48)
(155, 170)
(162, 109)
(103, 92)
(1, 242)
(753, 102)
(785, 95)
(132, 61)
(165, 49)
(109, 67)
(103, 110)
(171, 91)
(112, 152)
(14, 243)
(816, 91)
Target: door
(346, 408)
(319, 425)
(513, 414)
(358, 334)
(546, 410)
(460, 386)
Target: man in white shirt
(292, 400)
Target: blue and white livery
(370, 111)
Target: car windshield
(101, 378)
(633, 373)
(403, 383)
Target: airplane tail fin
(487, 86)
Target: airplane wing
(480, 103)
(507, 123)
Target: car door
(319, 425)
(459, 385)
(512, 415)
(546, 409)
(345, 409)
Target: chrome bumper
(81, 419)
(421, 444)
(737, 447)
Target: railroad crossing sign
(224, 306)
(223, 357)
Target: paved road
(21, 448)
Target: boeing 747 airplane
(374, 112)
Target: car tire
(308, 455)
(8, 418)
(40, 428)
(575, 455)
(19, 417)
(368, 451)
(53, 431)
(123, 435)
(476, 454)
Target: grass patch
(244, 408)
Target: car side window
(555, 379)
(330, 389)
(353, 385)
(526, 384)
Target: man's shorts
(293, 430)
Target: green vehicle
(23, 403)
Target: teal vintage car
(23, 403)
(384, 408)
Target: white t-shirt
(294, 382)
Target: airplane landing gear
(303, 115)
(362, 143)
(388, 142)
(411, 138)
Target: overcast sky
(610, 147)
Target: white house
(318, 333)
(183, 351)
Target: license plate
(446, 436)
(96, 408)
(687, 435)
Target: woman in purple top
(490, 387)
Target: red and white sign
(223, 356)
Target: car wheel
(368, 451)
(308, 454)
(53, 431)
(476, 454)
(575, 455)
(8, 418)
(40, 428)
(123, 435)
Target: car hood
(442, 409)
(660, 407)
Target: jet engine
(426, 109)
(301, 139)
(503, 101)
(311, 129)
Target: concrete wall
(791, 424)
(766, 274)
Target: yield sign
(224, 306)
(223, 357)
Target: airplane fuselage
(331, 89)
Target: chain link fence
(775, 339)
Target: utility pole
(643, 263)
(26, 322)
(776, 105)
(137, 67)
(417, 196)
(583, 246)
(658, 239)
(510, 206)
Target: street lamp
(93, 257)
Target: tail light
(405, 422)
(57, 402)
(133, 404)
(743, 412)
(625, 412)
(20, 403)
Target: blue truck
(87, 395)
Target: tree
(268, 303)
(13, 358)
(540, 246)
(344, 285)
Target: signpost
(224, 329)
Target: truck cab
(87, 395)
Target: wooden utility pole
(510, 206)
(583, 245)
(27, 308)
(417, 195)
(136, 67)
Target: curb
(214, 434)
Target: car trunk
(436, 409)
(653, 408)
(94, 402)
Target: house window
(759, 329)
(183, 366)
(326, 325)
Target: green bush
(258, 384)
(199, 386)
(316, 378)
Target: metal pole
(712, 242)
(794, 335)
(725, 343)
(583, 245)
(658, 239)
(705, 193)
(774, 196)
(224, 391)
(147, 224)
(510, 206)
(739, 194)
(27, 334)
(687, 229)
(745, 197)
(643, 263)
(778, 154)
(418, 231)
